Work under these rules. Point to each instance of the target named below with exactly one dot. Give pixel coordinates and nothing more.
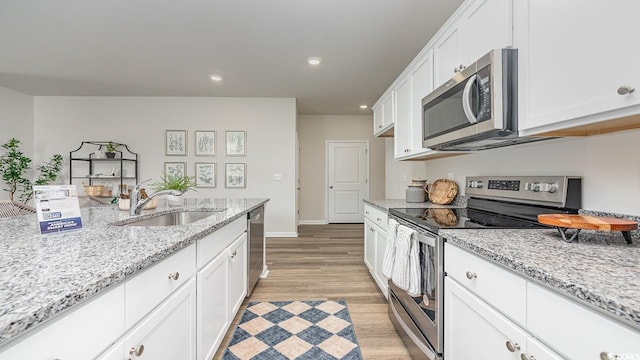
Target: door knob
(330, 187)
(623, 90)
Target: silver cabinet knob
(379, 126)
(471, 275)
(606, 356)
(174, 276)
(512, 347)
(625, 89)
(456, 70)
(524, 356)
(137, 351)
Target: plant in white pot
(182, 183)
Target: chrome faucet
(137, 204)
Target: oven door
(419, 319)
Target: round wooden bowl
(442, 191)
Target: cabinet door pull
(624, 90)
(524, 356)
(471, 275)
(606, 356)
(137, 351)
(173, 276)
(512, 347)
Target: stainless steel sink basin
(177, 218)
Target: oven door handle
(466, 100)
(422, 346)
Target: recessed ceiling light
(215, 77)
(314, 60)
(363, 106)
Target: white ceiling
(260, 47)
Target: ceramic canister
(415, 193)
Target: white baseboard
(313, 222)
(264, 273)
(281, 234)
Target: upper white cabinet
(578, 63)
(416, 85)
(478, 27)
(383, 112)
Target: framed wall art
(205, 175)
(235, 175)
(175, 169)
(176, 142)
(236, 142)
(205, 143)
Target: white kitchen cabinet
(474, 330)
(237, 274)
(472, 32)
(222, 286)
(576, 59)
(78, 335)
(168, 333)
(375, 242)
(537, 351)
(402, 131)
(114, 353)
(383, 115)
(550, 317)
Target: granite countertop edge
(579, 292)
(13, 327)
(386, 204)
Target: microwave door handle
(466, 100)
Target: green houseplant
(182, 183)
(14, 165)
(111, 150)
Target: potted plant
(182, 183)
(14, 164)
(111, 150)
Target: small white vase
(173, 200)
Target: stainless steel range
(498, 202)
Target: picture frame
(205, 142)
(176, 142)
(236, 142)
(205, 175)
(235, 175)
(175, 169)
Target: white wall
(398, 174)
(16, 120)
(62, 123)
(609, 165)
(313, 131)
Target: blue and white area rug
(285, 330)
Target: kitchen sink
(175, 218)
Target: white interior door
(347, 169)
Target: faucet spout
(137, 204)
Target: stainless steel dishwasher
(255, 247)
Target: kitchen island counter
(44, 276)
(602, 275)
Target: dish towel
(406, 266)
(390, 250)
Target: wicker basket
(93, 190)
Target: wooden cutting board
(442, 191)
(587, 222)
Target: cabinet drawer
(211, 245)
(495, 285)
(145, 291)
(79, 335)
(376, 216)
(574, 330)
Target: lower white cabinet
(168, 333)
(114, 353)
(222, 287)
(474, 330)
(375, 243)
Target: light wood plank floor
(326, 263)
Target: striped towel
(390, 250)
(406, 266)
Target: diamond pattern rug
(301, 330)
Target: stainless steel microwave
(477, 109)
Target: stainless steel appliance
(477, 109)
(499, 202)
(255, 247)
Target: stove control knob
(534, 186)
(475, 184)
(548, 187)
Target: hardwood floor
(326, 263)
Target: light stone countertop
(386, 204)
(41, 276)
(602, 274)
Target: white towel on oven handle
(406, 266)
(390, 249)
